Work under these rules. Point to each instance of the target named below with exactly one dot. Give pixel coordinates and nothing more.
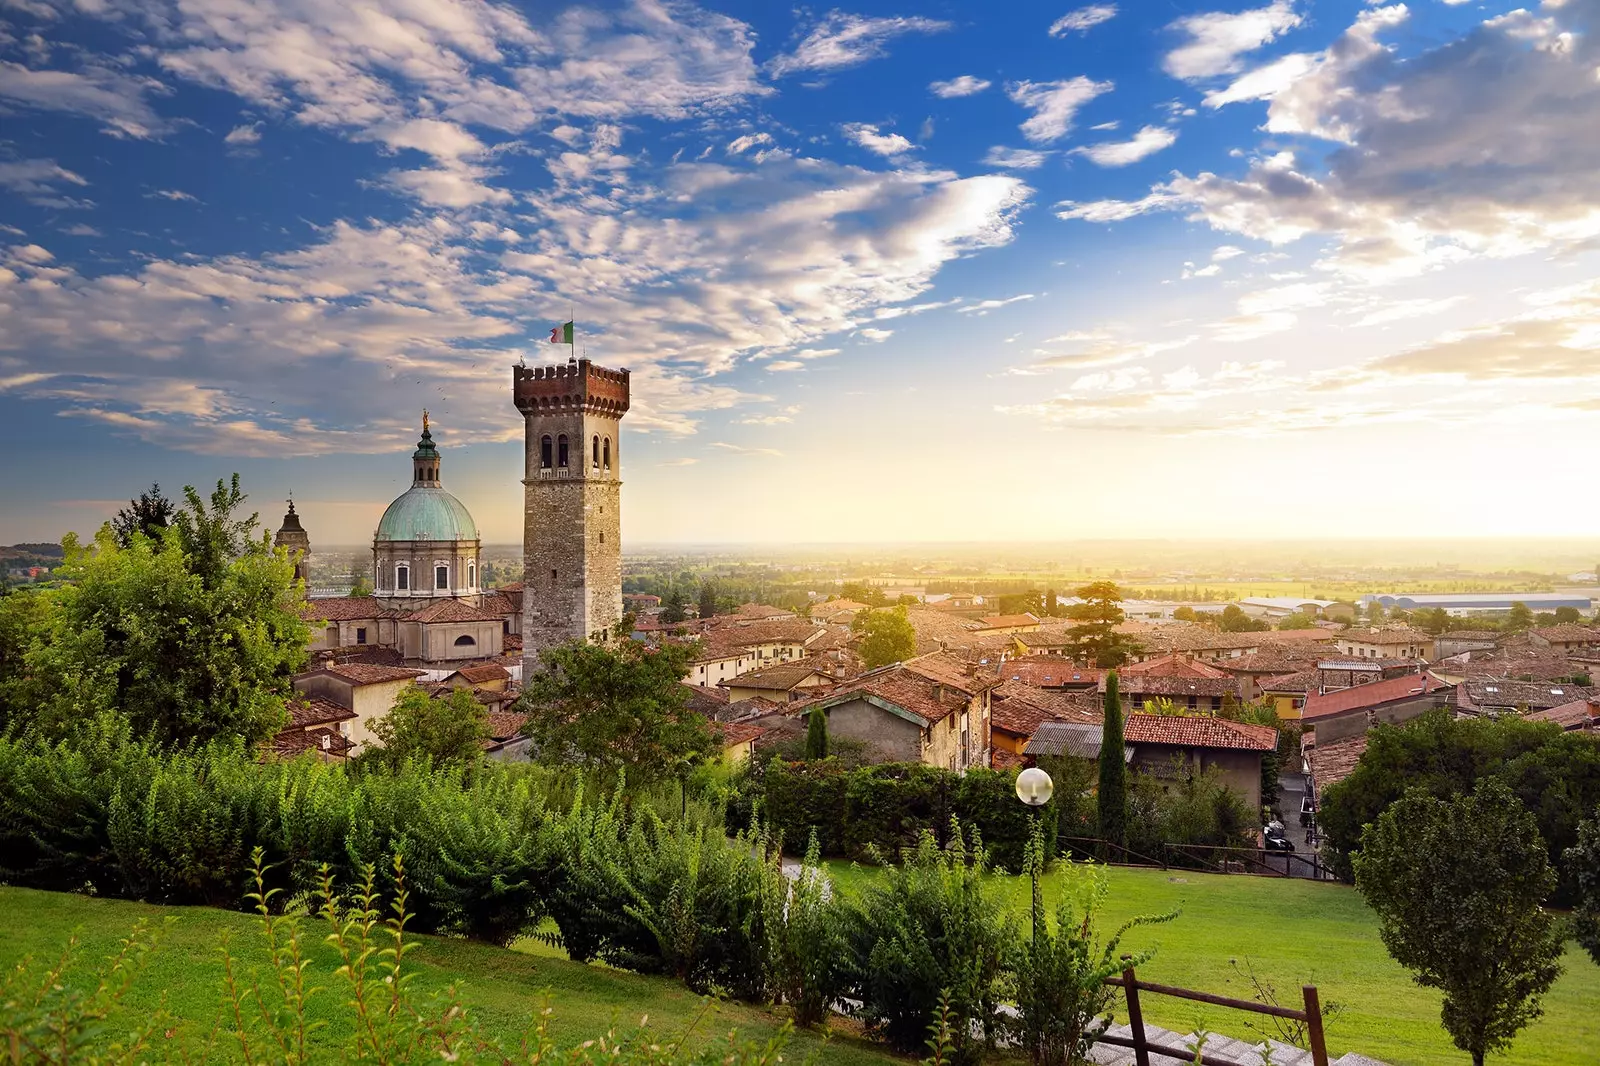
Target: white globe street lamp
(1034, 788)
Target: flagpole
(572, 343)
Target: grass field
(1292, 932)
(1302, 932)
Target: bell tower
(572, 495)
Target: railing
(1214, 859)
(556, 471)
(1110, 853)
(1310, 1016)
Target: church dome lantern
(426, 543)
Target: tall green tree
(708, 600)
(614, 710)
(1112, 798)
(673, 610)
(1458, 886)
(448, 731)
(1234, 620)
(1095, 635)
(886, 637)
(1518, 619)
(1583, 859)
(1051, 608)
(1568, 616)
(1029, 602)
(149, 514)
(871, 595)
(817, 733)
(213, 536)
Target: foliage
(1095, 637)
(931, 928)
(879, 810)
(1113, 790)
(1556, 775)
(1292, 1031)
(886, 637)
(871, 595)
(1583, 860)
(806, 942)
(1051, 607)
(817, 733)
(192, 636)
(1518, 619)
(708, 601)
(1297, 620)
(616, 709)
(1197, 810)
(447, 731)
(1234, 620)
(1057, 977)
(1457, 885)
(1568, 616)
(1029, 602)
(1184, 614)
(360, 587)
(673, 609)
(150, 514)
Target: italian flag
(561, 334)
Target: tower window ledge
(558, 471)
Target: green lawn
(1292, 932)
(1301, 932)
(502, 988)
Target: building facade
(572, 530)
(426, 545)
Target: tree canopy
(616, 709)
(887, 637)
(1458, 886)
(149, 514)
(1095, 635)
(447, 731)
(673, 610)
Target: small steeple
(425, 460)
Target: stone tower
(572, 522)
(292, 535)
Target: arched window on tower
(606, 451)
(472, 575)
(402, 578)
(441, 578)
(561, 451)
(594, 450)
(545, 446)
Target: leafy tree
(1374, 612)
(886, 637)
(149, 514)
(673, 610)
(871, 595)
(616, 710)
(1298, 620)
(1095, 636)
(1234, 620)
(1029, 602)
(361, 585)
(447, 732)
(1583, 859)
(817, 733)
(1113, 794)
(1518, 619)
(187, 647)
(1458, 886)
(708, 600)
(1434, 622)
(1568, 616)
(212, 537)
(1051, 607)
(1184, 614)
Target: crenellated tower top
(570, 387)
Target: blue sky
(882, 272)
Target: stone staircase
(1240, 1052)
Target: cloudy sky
(930, 271)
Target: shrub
(806, 942)
(930, 928)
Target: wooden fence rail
(1131, 986)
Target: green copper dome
(427, 512)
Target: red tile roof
(500, 604)
(1568, 634)
(1332, 763)
(368, 674)
(1007, 621)
(1370, 695)
(740, 733)
(292, 742)
(345, 609)
(478, 673)
(451, 611)
(1050, 671)
(306, 711)
(1198, 732)
(1001, 759)
(1385, 636)
(1174, 665)
(782, 677)
(505, 725)
(1579, 714)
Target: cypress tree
(1112, 801)
(817, 734)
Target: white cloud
(1399, 310)
(249, 133)
(37, 179)
(79, 229)
(1103, 126)
(1263, 83)
(114, 98)
(172, 194)
(1097, 348)
(1083, 19)
(740, 449)
(1226, 252)
(1217, 40)
(1016, 158)
(785, 365)
(965, 85)
(1148, 141)
(877, 336)
(841, 40)
(884, 144)
(983, 307)
(739, 145)
(1054, 105)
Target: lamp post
(1035, 788)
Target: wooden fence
(1131, 986)
(1207, 857)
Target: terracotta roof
(706, 700)
(953, 672)
(1534, 695)
(306, 711)
(1141, 685)
(1385, 635)
(837, 606)
(368, 674)
(1050, 671)
(1022, 718)
(1579, 714)
(501, 604)
(1001, 759)
(1332, 763)
(1007, 621)
(783, 677)
(292, 742)
(1470, 634)
(513, 588)
(1568, 633)
(1370, 695)
(1080, 705)
(505, 725)
(1300, 682)
(478, 673)
(1185, 732)
(761, 610)
(1268, 663)
(1044, 638)
(1174, 665)
(1541, 664)
(345, 608)
(450, 611)
(740, 733)
(731, 633)
(912, 691)
(754, 707)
